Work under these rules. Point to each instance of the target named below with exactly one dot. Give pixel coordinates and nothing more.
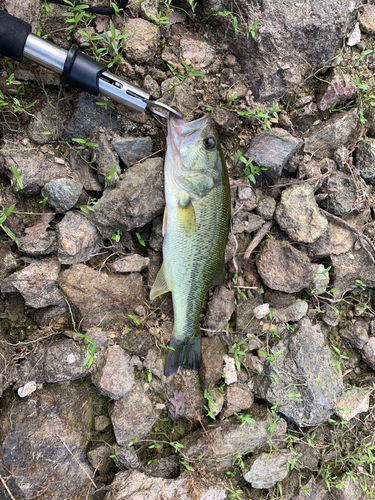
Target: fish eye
(209, 143)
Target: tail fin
(185, 353)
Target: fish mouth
(182, 133)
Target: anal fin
(160, 285)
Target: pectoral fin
(160, 285)
(186, 216)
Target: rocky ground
(282, 406)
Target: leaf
(177, 405)
(39, 228)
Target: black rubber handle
(81, 71)
(13, 34)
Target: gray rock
(133, 149)
(132, 416)
(367, 19)
(352, 403)
(37, 283)
(8, 369)
(229, 370)
(244, 222)
(342, 129)
(226, 122)
(44, 244)
(368, 352)
(101, 300)
(262, 311)
(129, 204)
(131, 485)
(35, 168)
(301, 378)
(351, 266)
(44, 121)
(265, 470)
(365, 159)
(105, 159)
(101, 422)
(112, 373)
(220, 308)
(313, 491)
(27, 10)
(331, 317)
(228, 438)
(337, 87)
(356, 335)
(341, 157)
(282, 267)
(305, 38)
(342, 194)
(298, 214)
(129, 264)
(272, 150)
(8, 261)
(59, 361)
(149, 9)
(59, 415)
(354, 37)
(279, 300)
(100, 460)
(62, 193)
(293, 313)
(238, 397)
(156, 238)
(321, 247)
(266, 207)
(216, 405)
(212, 361)
(151, 85)
(185, 397)
(143, 42)
(126, 457)
(167, 467)
(87, 117)
(196, 51)
(247, 197)
(78, 239)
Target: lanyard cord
(96, 10)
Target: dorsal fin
(160, 285)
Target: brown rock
(212, 361)
(356, 335)
(101, 300)
(239, 397)
(367, 19)
(112, 373)
(337, 87)
(368, 353)
(142, 44)
(132, 416)
(284, 268)
(129, 264)
(219, 311)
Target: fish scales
(196, 226)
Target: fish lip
(182, 133)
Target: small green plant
(43, 202)
(139, 238)
(134, 319)
(110, 175)
(76, 17)
(340, 359)
(250, 31)
(3, 217)
(245, 419)
(17, 176)
(271, 357)
(250, 170)
(84, 144)
(116, 236)
(265, 117)
(89, 207)
(237, 351)
(211, 404)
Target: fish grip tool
(76, 68)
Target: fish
(195, 228)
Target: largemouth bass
(195, 229)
